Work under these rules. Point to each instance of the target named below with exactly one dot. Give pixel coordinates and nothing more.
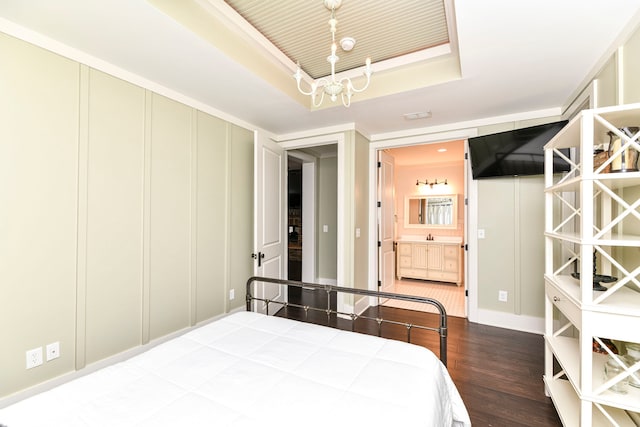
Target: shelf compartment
(623, 302)
(567, 405)
(629, 401)
(567, 353)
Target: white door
(270, 242)
(386, 222)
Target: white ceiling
(516, 57)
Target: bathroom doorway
(430, 170)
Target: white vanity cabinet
(429, 260)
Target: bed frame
(329, 289)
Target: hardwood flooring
(497, 371)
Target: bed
(252, 369)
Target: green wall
(126, 216)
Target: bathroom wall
(405, 177)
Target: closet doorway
(294, 222)
(429, 170)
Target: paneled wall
(110, 208)
(124, 215)
(39, 113)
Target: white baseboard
(512, 321)
(361, 305)
(325, 281)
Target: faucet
(429, 237)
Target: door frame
(339, 140)
(470, 220)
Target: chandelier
(332, 86)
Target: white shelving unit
(591, 211)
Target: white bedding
(249, 369)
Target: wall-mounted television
(514, 152)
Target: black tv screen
(515, 152)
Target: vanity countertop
(436, 239)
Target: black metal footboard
(329, 289)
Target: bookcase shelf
(592, 226)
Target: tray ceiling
(383, 30)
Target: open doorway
(312, 219)
(429, 254)
(294, 215)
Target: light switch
(325, 228)
(481, 233)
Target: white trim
(590, 93)
(455, 127)
(425, 138)
(471, 228)
(361, 305)
(619, 58)
(325, 281)
(534, 325)
(320, 135)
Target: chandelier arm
(350, 85)
(311, 93)
(314, 97)
(346, 103)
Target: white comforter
(248, 369)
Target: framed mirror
(431, 211)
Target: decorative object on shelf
(597, 278)
(627, 160)
(599, 157)
(334, 87)
(631, 358)
(431, 184)
(611, 369)
(597, 348)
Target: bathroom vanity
(439, 259)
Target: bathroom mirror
(430, 211)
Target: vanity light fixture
(332, 86)
(431, 184)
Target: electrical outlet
(232, 294)
(53, 350)
(34, 357)
(503, 296)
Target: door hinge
(379, 164)
(466, 292)
(466, 201)
(379, 283)
(466, 247)
(466, 156)
(379, 204)
(379, 243)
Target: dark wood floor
(497, 371)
